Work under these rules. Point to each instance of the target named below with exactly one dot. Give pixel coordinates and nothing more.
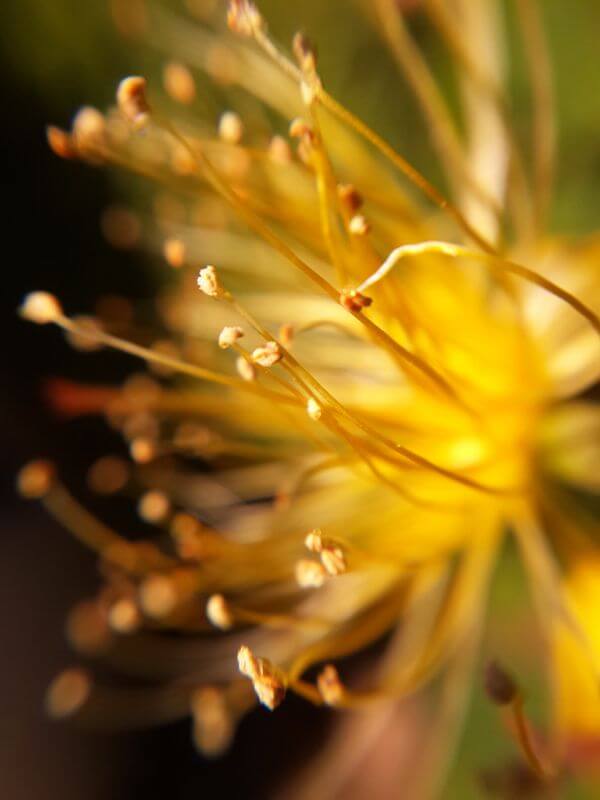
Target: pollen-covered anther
(131, 99)
(231, 127)
(313, 409)
(350, 197)
(174, 253)
(268, 355)
(41, 308)
(310, 574)
(219, 613)
(314, 541)
(266, 679)
(333, 559)
(60, 142)
(213, 724)
(245, 369)
(244, 18)
(354, 301)
(208, 282)
(154, 506)
(330, 686)
(35, 479)
(89, 129)
(229, 336)
(179, 83)
(358, 225)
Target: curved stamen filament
(494, 262)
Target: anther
(231, 127)
(350, 197)
(229, 336)
(305, 52)
(268, 355)
(244, 18)
(89, 128)
(60, 142)
(310, 574)
(67, 693)
(499, 685)
(208, 282)
(218, 612)
(354, 301)
(179, 82)
(131, 99)
(358, 225)
(174, 253)
(35, 479)
(41, 308)
(330, 686)
(124, 616)
(300, 129)
(213, 725)
(279, 150)
(286, 334)
(158, 596)
(154, 506)
(245, 369)
(267, 682)
(313, 409)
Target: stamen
(131, 99)
(330, 686)
(124, 616)
(67, 693)
(213, 723)
(231, 127)
(35, 479)
(179, 83)
(268, 355)
(218, 612)
(154, 506)
(41, 308)
(267, 680)
(209, 284)
(313, 409)
(229, 336)
(310, 574)
(174, 253)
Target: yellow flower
(386, 382)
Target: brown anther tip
(354, 301)
(313, 409)
(60, 142)
(174, 253)
(499, 684)
(67, 693)
(231, 127)
(330, 686)
(304, 51)
(179, 83)
(350, 197)
(131, 100)
(267, 355)
(107, 475)
(208, 282)
(41, 308)
(218, 612)
(229, 336)
(244, 18)
(35, 479)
